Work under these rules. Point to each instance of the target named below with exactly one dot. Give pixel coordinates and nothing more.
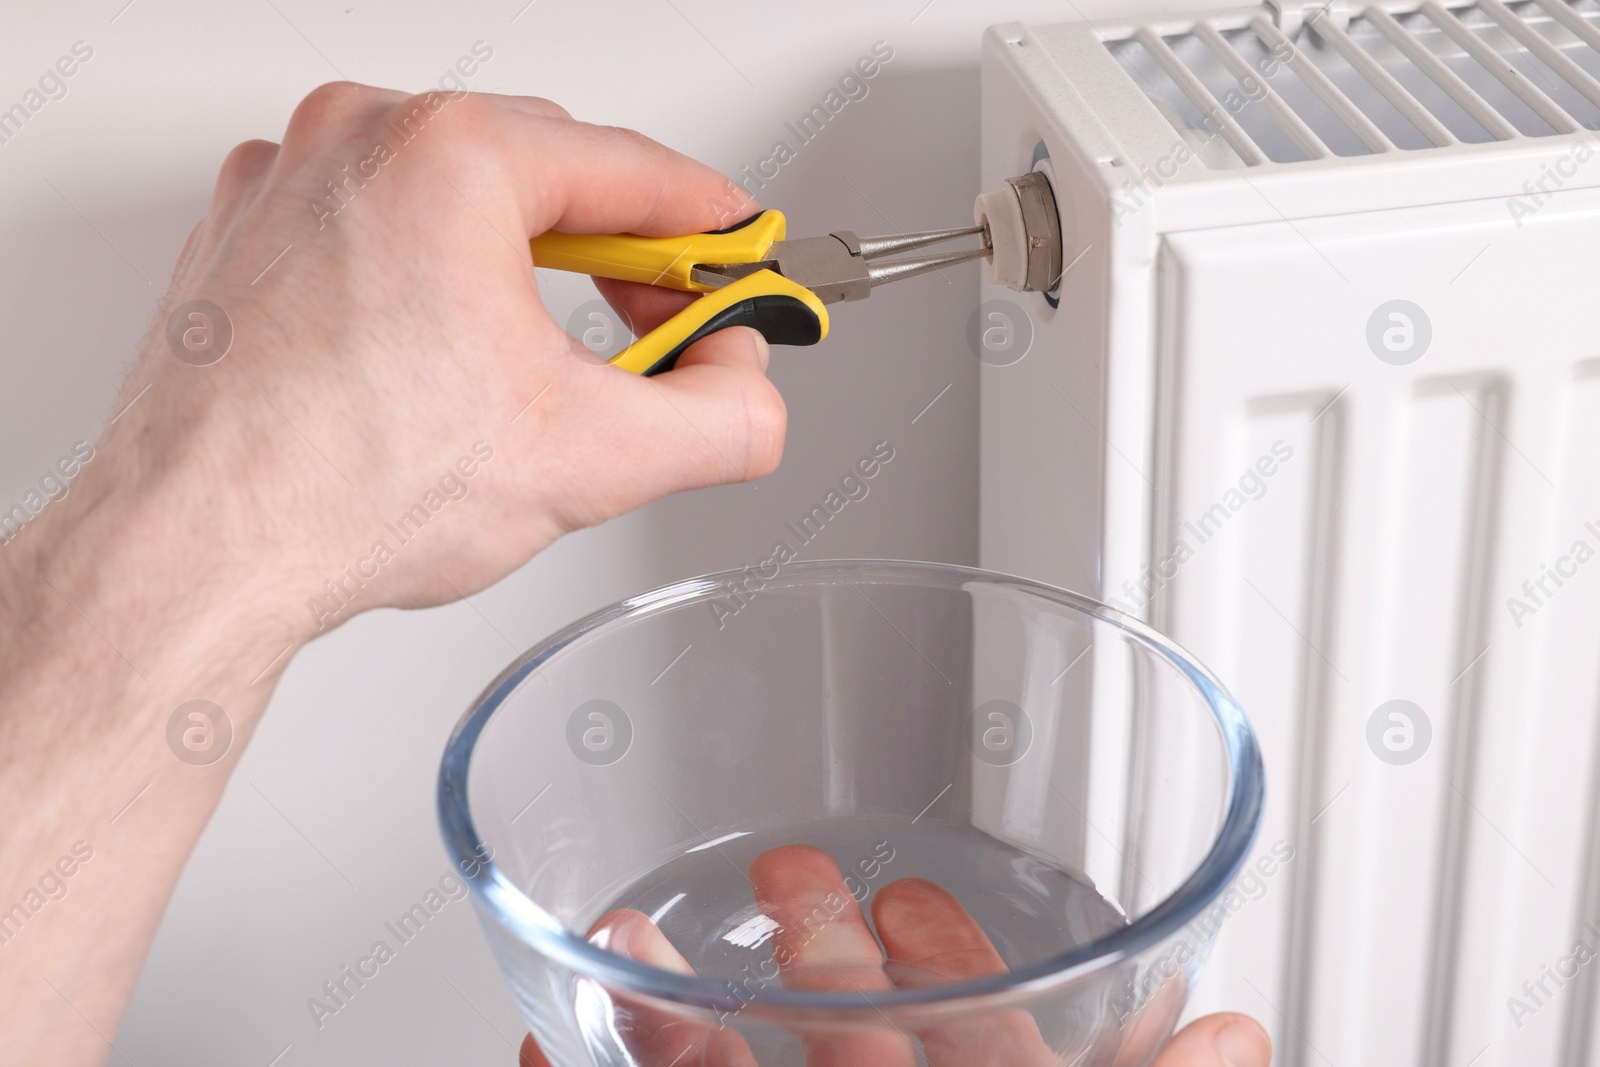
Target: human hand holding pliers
(750, 274)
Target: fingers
(630, 933)
(531, 1055)
(563, 174)
(528, 105)
(716, 419)
(822, 941)
(655, 1036)
(1224, 1040)
(1153, 1022)
(931, 940)
(240, 178)
(718, 405)
(738, 349)
(823, 944)
(243, 167)
(332, 105)
(580, 178)
(643, 307)
(332, 114)
(929, 936)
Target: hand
(397, 422)
(928, 939)
(404, 334)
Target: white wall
(98, 193)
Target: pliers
(752, 277)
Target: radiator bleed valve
(1023, 231)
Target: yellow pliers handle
(784, 311)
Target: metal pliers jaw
(751, 277)
(843, 266)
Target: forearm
(113, 617)
(365, 379)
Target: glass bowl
(760, 783)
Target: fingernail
(763, 350)
(1243, 1044)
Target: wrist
(120, 608)
(117, 556)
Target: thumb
(716, 416)
(1224, 1040)
(737, 347)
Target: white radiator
(1322, 401)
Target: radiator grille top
(1248, 90)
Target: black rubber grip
(782, 320)
(741, 224)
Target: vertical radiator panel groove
(1573, 649)
(1579, 1032)
(1330, 421)
(1487, 402)
(1434, 572)
(1262, 572)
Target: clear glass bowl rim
(537, 928)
